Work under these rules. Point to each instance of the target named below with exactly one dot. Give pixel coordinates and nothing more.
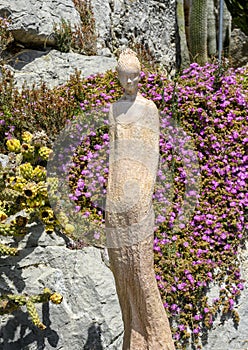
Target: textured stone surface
(33, 20)
(119, 23)
(55, 67)
(89, 316)
(147, 22)
(226, 336)
(238, 48)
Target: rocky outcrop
(119, 23)
(88, 317)
(224, 334)
(54, 67)
(238, 48)
(150, 23)
(33, 20)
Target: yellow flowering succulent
(13, 145)
(27, 149)
(27, 136)
(30, 190)
(56, 298)
(26, 170)
(39, 173)
(45, 152)
(46, 215)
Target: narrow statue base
(146, 325)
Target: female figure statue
(133, 163)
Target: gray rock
(3, 160)
(89, 316)
(238, 48)
(33, 20)
(150, 23)
(225, 335)
(54, 67)
(119, 23)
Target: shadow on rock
(19, 332)
(94, 338)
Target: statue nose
(129, 80)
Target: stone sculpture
(133, 163)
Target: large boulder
(238, 48)
(120, 23)
(89, 316)
(54, 67)
(33, 20)
(225, 334)
(151, 24)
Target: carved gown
(133, 163)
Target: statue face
(129, 81)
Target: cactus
(23, 185)
(26, 171)
(202, 16)
(30, 190)
(198, 31)
(34, 315)
(39, 173)
(46, 215)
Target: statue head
(128, 69)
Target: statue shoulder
(149, 103)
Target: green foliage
(80, 39)
(5, 35)
(85, 38)
(13, 302)
(63, 36)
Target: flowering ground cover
(200, 197)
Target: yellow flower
(56, 298)
(26, 170)
(27, 136)
(13, 145)
(69, 228)
(45, 152)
